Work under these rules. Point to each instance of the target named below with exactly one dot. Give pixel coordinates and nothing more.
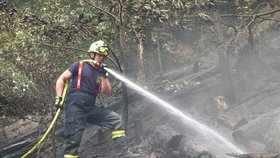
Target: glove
(106, 75)
(103, 71)
(103, 65)
(57, 102)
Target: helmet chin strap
(93, 56)
(95, 63)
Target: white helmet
(98, 47)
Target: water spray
(195, 124)
(124, 90)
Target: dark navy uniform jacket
(90, 79)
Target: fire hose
(125, 109)
(51, 125)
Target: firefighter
(88, 79)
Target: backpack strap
(79, 75)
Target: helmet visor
(102, 50)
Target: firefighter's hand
(58, 102)
(103, 71)
(106, 75)
(103, 65)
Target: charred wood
(254, 155)
(255, 130)
(178, 145)
(234, 118)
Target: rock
(190, 149)
(273, 145)
(234, 118)
(177, 144)
(255, 130)
(19, 128)
(166, 138)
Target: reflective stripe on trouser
(118, 134)
(71, 156)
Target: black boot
(122, 150)
(121, 144)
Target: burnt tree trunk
(150, 56)
(123, 64)
(250, 66)
(159, 55)
(224, 63)
(199, 48)
(141, 71)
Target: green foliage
(17, 92)
(31, 66)
(20, 81)
(38, 37)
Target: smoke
(188, 120)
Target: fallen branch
(254, 155)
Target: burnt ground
(252, 123)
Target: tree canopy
(39, 39)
